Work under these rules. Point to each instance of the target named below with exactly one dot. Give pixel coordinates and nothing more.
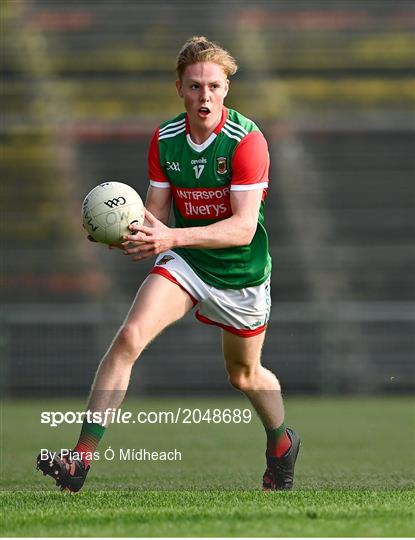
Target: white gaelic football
(109, 209)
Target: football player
(210, 164)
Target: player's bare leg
(262, 388)
(246, 373)
(158, 303)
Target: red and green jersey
(202, 176)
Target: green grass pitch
(355, 473)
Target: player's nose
(204, 95)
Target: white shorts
(244, 312)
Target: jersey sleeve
(250, 163)
(155, 172)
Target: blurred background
(85, 83)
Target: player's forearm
(234, 231)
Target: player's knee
(246, 379)
(130, 342)
(242, 380)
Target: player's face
(203, 88)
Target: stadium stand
(84, 85)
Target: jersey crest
(222, 165)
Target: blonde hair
(200, 49)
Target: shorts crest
(164, 260)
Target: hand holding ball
(109, 209)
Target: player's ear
(179, 88)
(227, 83)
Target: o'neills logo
(222, 165)
(164, 260)
(204, 203)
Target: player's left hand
(148, 240)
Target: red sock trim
(279, 447)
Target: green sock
(278, 441)
(89, 439)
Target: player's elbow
(246, 233)
(251, 233)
